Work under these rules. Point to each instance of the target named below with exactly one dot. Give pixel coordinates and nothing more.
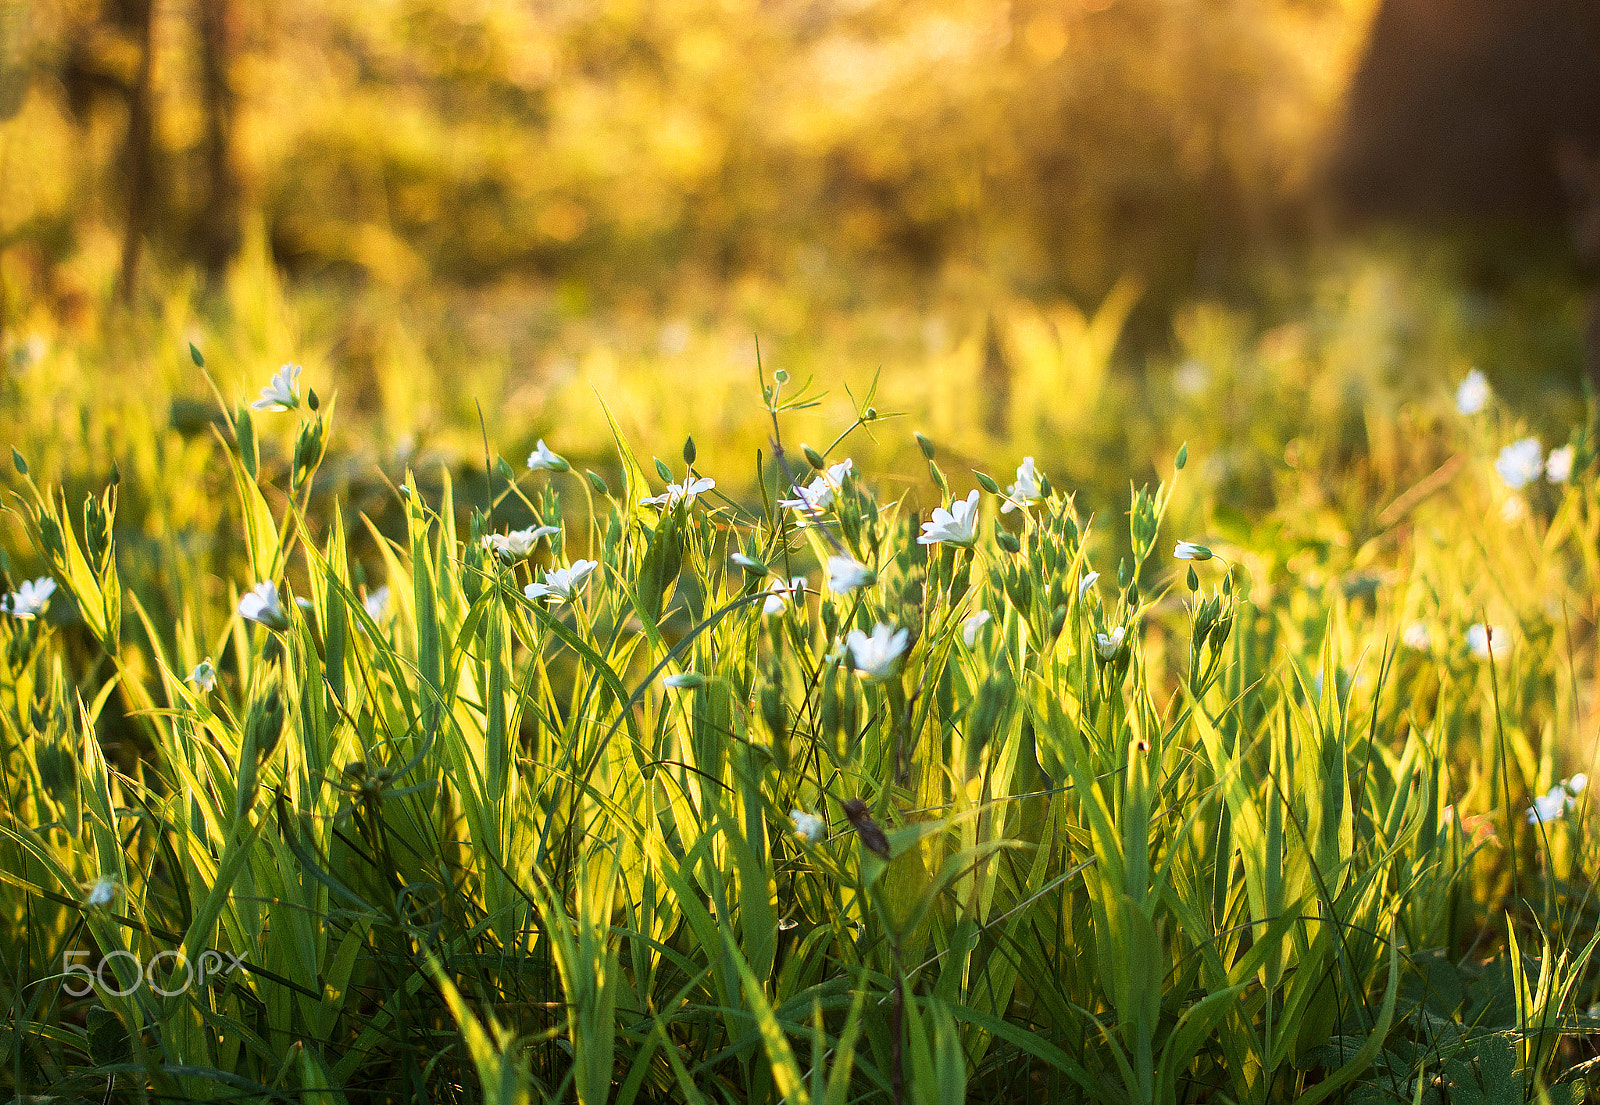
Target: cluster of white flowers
(561, 584)
(1560, 798)
(30, 599)
(1521, 462)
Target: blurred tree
(1459, 107)
(1052, 145)
(219, 222)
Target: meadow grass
(514, 786)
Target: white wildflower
(957, 526)
(1481, 639)
(779, 593)
(808, 826)
(1191, 377)
(283, 393)
(204, 676)
(517, 544)
(972, 627)
(261, 604)
(1416, 636)
(103, 891)
(846, 573)
(819, 493)
(1188, 550)
(1548, 807)
(377, 604)
(1087, 582)
(1558, 466)
(1108, 645)
(562, 584)
(543, 460)
(874, 657)
(676, 492)
(1025, 490)
(30, 599)
(1472, 394)
(1520, 463)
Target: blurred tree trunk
(219, 223)
(139, 17)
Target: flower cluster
(1560, 798)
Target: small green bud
(1183, 456)
(194, 355)
(18, 463)
(689, 452)
(781, 376)
(1194, 580)
(926, 446)
(870, 415)
(311, 400)
(505, 469)
(662, 470)
(986, 482)
(596, 482)
(814, 458)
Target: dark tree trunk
(219, 223)
(1458, 105)
(141, 141)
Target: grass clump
(798, 796)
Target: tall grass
(1228, 828)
